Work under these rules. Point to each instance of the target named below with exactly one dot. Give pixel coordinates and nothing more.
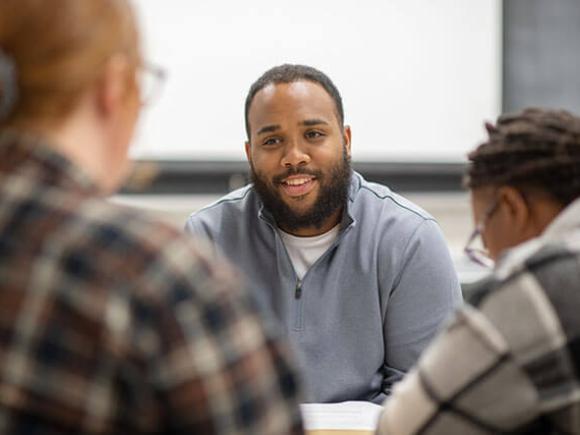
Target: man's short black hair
(289, 73)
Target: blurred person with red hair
(110, 322)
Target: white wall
(417, 77)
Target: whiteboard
(417, 77)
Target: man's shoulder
(111, 230)
(384, 201)
(134, 223)
(106, 248)
(73, 219)
(237, 202)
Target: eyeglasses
(151, 79)
(475, 248)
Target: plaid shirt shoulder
(509, 363)
(113, 323)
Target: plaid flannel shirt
(510, 362)
(112, 323)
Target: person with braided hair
(509, 361)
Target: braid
(535, 148)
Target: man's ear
(247, 147)
(347, 136)
(113, 85)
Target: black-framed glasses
(151, 79)
(475, 249)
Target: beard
(332, 195)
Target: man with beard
(359, 277)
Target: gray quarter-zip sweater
(368, 306)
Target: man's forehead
(299, 89)
(278, 98)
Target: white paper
(340, 416)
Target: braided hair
(532, 150)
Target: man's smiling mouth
(298, 185)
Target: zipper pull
(298, 291)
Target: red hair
(59, 48)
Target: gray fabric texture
(367, 308)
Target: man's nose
(295, 155)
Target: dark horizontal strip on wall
(217, 177)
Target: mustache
(277, 179)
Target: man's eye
(271, 141)
(314, 134)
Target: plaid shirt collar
(23, 152)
